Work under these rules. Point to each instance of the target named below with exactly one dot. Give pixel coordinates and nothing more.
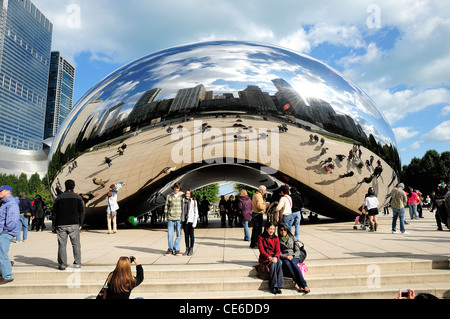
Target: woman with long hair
(269, 253)
(189, 217)
(245, 208)
(372, 203)
(290, 253)
(121, 281)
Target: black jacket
(68, 209)
(25, 206)
(297, 202)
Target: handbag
(302, 249)
(303, 268)
(103, 291)
(263, 270)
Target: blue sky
(398, 52)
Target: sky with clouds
(398, 52)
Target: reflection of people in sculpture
(367, 180)
(87, 197)
(330, 167)
(348, 174)
(378, 170)
(168, 170)
(99, 182)
(108, 161)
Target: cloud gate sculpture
(232, 111)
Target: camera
(405, 293)
(132, 259)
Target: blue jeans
(5, 263)
(174, 226)
(296, 218)
(23, 223)
(276, 278)
(413, 210)
(287, 220)
(246, 231)
(398, 213)
(291, 270)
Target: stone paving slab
(325, 242)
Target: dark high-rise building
(61, 83)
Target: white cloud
(445, 110)
(404, 133)
(397, 105)
(439, 134)
(414, 146)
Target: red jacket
(269, 246)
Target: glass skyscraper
(60, 93)
(25, 47)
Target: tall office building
(25, 46)
(61, 83)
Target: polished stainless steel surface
(218, 111)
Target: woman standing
(290, 253)
(39, 213)
(121, 281)
(245, 207)
(189, 217)
(113, 207)
(371, 204)
(413, 198)
(269, 253)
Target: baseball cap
(401, 185)
(6, 188)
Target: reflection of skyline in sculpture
(216, 83)
(190, 100)
(251, 64)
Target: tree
(34, 183)
(210, 191)
(426, 173)
(250, 190)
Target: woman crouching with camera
(121, 281)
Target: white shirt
(286, 202)
(371, 202)
(112, 201)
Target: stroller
(363, 220)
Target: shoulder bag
(103, 291)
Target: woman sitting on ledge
(290, 253)
(269, 249)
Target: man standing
(258, 208)
(173, 211)
(398, 201)
(447, 207)
(68, 219)
(9, 228)
(26, 211)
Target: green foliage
(31, 187)
(210, 191)
(426, 173)
(250, 190)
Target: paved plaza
(326, 241)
